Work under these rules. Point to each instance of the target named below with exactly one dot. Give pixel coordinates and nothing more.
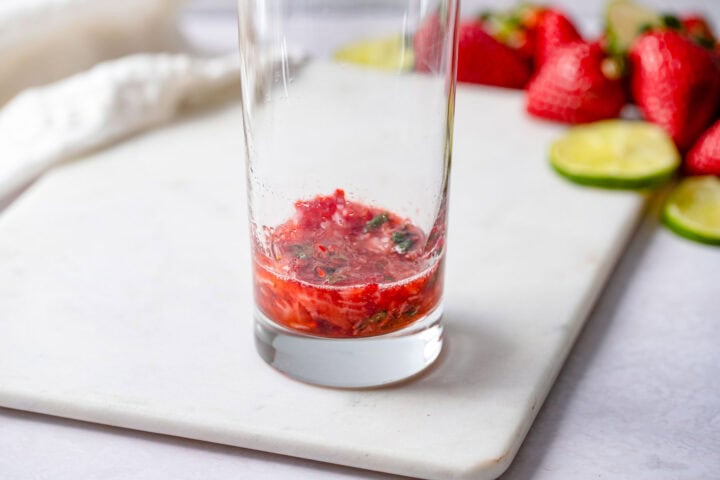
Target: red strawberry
(698, 29)
(482, 59)
(675, 83)
(553, 30)
(428, 44)
(704, 157)
(576, 85)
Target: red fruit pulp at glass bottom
(342, 269)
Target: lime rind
(616, 154)
(619, 183)
(688, 233)
(692, 210)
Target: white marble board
(125, 300)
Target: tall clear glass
(348, 115)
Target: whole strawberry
(704, 157)
(553, 29)
(482, 59)
(428, 44)
(675, 83)
(576, 85)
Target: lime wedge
(615, 154)
(625, 20)
(390, 53)
(693, 209)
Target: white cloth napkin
(42, 41)
(46, 125)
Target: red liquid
(343, 269)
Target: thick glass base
(350, 362)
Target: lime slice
(615, 154)
(625, 20)
(693, 209)
(390, 53)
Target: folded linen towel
(42, 41)
(46, 125)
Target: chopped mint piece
(403, 241)
(375, 318)
(300, 251)
(376, 222)
(411, 311)
(334, 278)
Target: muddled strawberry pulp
(339, 268)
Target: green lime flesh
(617, 154)
(692, 209)
(393, 53)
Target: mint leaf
(375, 318)
(412, 311)
(300, 251)
(376, 222)
(403, 241)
